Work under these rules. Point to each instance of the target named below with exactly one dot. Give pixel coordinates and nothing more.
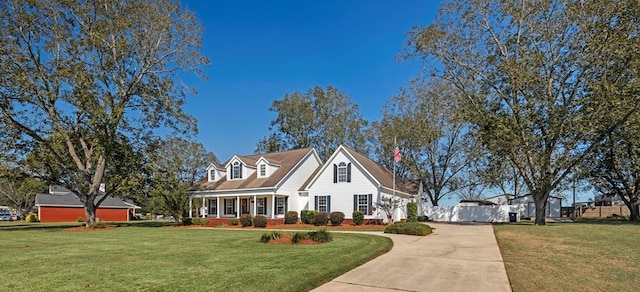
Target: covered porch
(232, 206)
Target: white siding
(342, 193)
(528, 207)
(298, 176)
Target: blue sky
(261, 50)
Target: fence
(603, 211)
(471, 213)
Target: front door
(244, 206)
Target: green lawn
(43, 258)
(581, 256)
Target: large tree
(525, 68)
(322, 118)
(18, 190)
(84, 84)
(174, 166)
(434, 140)
(614, 167)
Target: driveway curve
(455, 257)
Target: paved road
(453, 258)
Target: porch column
(255, 203)
(273, 206)
(204, 214)
(238, 207)
(217, 207)
(190, 207)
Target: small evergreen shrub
(336, 218)
(79, 219)
(31, 218)
(308, 216)
(358, 217)
(97, 224)
(291, 217)
(202, 222)
(234, 221)
(224, 224)
(148, 217)
(321, 235)
(245, 220)
(269, 236)
(412, 212)
(423, 218)
(260, 221)
(413, 228)
(299, 236)
(322, 219)
(188, 221)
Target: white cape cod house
(272, 184)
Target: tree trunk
(540, 199)
(634, 211)
(89, 212)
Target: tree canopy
(84, 85)
(527, 71)
(322, 118)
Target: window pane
(342, 172)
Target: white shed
(528, 206)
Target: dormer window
(263, 170)
(212, 174)
(236, 170)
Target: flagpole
(395, 144)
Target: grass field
(591, 255)
(44, 258)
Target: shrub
(299, 236)
(412, 212)
(308, 216)
(245, 220)
(234, 221)
(321, 219)
(291, 217)
(31, 218)
(97, 224)
(358, 217)
(224, 224)
(79, 219)
(260, 221)
(202, 222)
(188, 221)
(413, 228)
(148, 217)
(336, 218)
(269, 236)
(321, 235)
(423, 218)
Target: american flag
(396, 154)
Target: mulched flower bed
(286, 239)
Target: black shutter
(316, 203)
(355, 202)
(328, 204)
(286, 205)
(335, 173)
(369, 211)
(349, 172)
(240, 171)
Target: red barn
(66, 207)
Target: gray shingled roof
(287, 161)
(71, 200)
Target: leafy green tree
(84, 85)
(18, 190)
(175, 165)
(614, 43)
(435, 142)
(322, 118)
(526, 70)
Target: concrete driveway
(453, 258)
